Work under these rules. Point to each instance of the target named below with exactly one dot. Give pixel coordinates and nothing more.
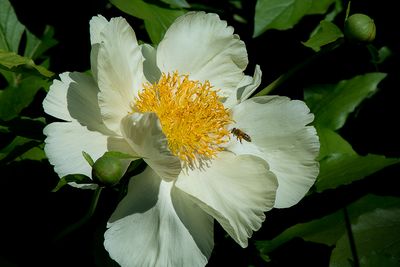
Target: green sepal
(88, 158)
(77, 178)
(120, 155)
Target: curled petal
(244, 89)
(235, 190)
(74, 98)
(280, 135)
(143, 133)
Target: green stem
(284, 77)
(84, 219)
(351, 238)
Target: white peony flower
(212, 153)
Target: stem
(352, 243)
(85, 219)
(281, 79)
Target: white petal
(120, 71)
(97, 25)
(74, 98)
(202, 46)
(64, 145)
(244, 89)
(150, 69)
(143, 133)
(154, 225)
(278, 131)
(55, 102)
(235, 190)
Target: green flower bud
(360, 28)
(107, 170)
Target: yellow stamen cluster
(191, 114)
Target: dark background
(31, 216)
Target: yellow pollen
(191, 114)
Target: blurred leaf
(11, 29)
(284, 14)
(379, 260)
(35, 153)
(13, 99)
(341, 165)
(341, 169)
(35, 47)
(326, 34)
(8, 75)
(320, 6)
(332, 143)
(72, 178)
(156, 19)
(327, 230)
(16, 63)
(375, 233)
(16, 148)
(331, 104)
(177, 3)
(379, 56)
(4, 129)
(26, 127)
(330, 16)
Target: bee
(240, 135)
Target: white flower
(176, 106)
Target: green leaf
(375, 233)
(331, 104)
(326, 34)
(341, 165)
(72, 178)
(4, 129)
(26, 127)
(379, 260)
(156, 19)
(330, 16)
(320, 6)
(16, 63)
(284, 14)
(342, 169)
(332, 143)
(18, 146)
(177, 3)
(11, 29)
(327, 230)
(35, 47)
(379, 56)
(13, 99)
(36, 153)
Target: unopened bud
(360, 28)
(107, 170)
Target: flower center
(191, 114)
